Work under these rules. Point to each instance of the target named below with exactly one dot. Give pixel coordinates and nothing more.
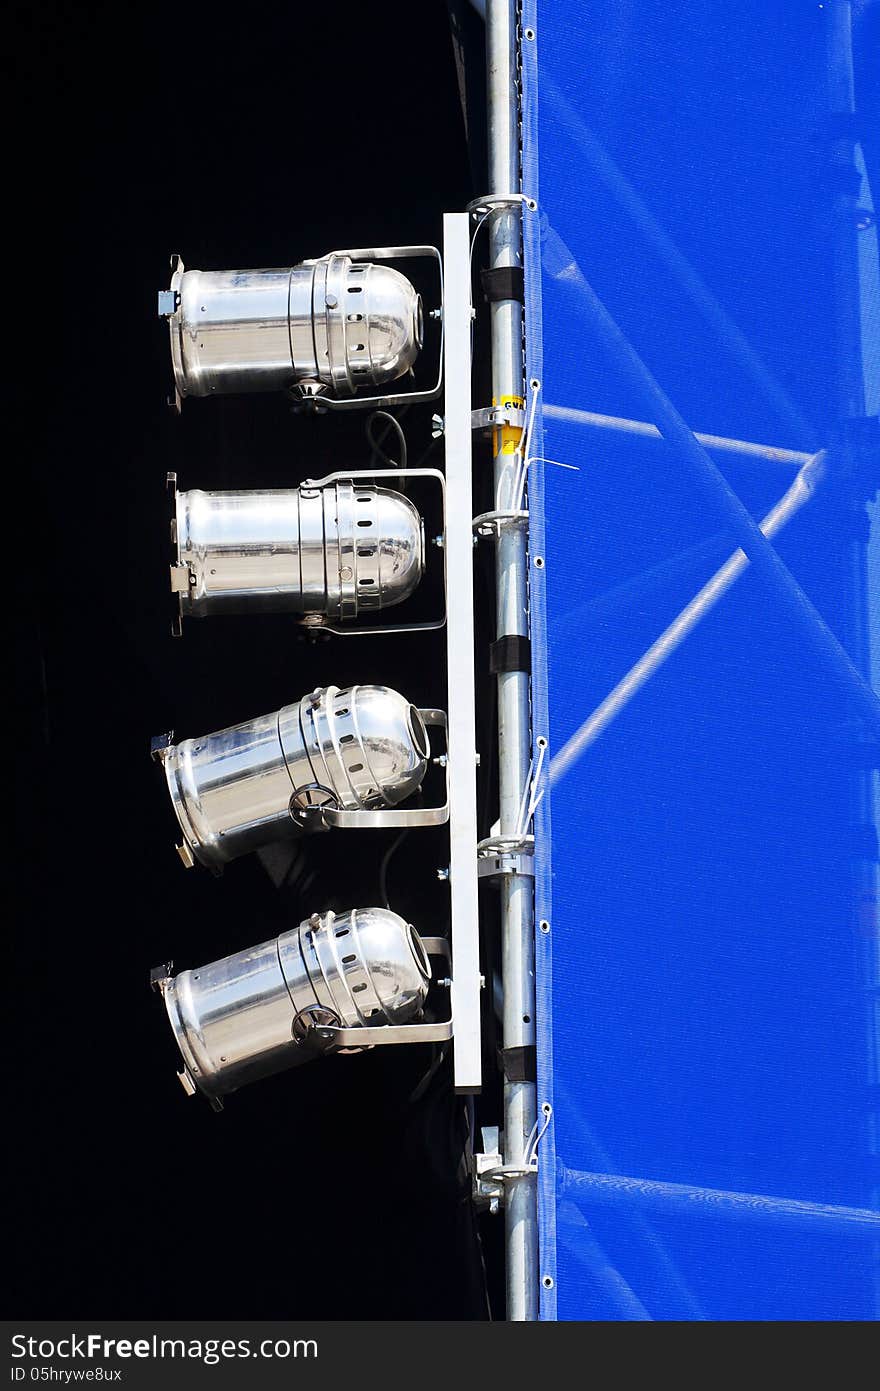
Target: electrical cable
(383, 866)
(376, 450)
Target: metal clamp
(493, 523)
(400, 816)
(491, 417)
(488, 1189)
(497, 202)
(505, 866)
(501, 857)
(380, 253)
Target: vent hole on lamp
(343, 711)
(352, 956)
(364, 553)
(342, 932)
(347, 739)
(355, 289)
(356, 768)
(356, 988)
(363, 522)
(358, 347)
(366, 581)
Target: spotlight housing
(252, 1014)
(273, 777)
(327, 552)
(325, 328)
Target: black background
(238, 136)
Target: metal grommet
(539, 562)
(547, 1282)
(544, 925)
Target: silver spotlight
(329, 326)
(264, 780)
(251, 1014)
(327, 552)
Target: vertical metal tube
(514, 737)
(850, 403)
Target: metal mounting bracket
(498, 202)
(505, 866)
(488, 1189)
(459, 549)
(332, 1037)
(493, 523)
(322, 403)
(491, 417)
(502, 857)
(327, 815)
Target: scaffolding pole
(514, 735)
(687, 1200)
(641, 429)
(802, 490)
(792, 600)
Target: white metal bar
(744, 449)
(461, 770)
(801, 491)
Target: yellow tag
(505, 440)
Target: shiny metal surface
(238, 789)
(333, 323)
(512, 616)
(334, 551)
(248, 1016)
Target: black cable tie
(520, 1064)
(510, 653)
(504, 282)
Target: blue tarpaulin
(703, 966)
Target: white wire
(528, 799)
(532, 1162)
(524, 801)
(528, 1149)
